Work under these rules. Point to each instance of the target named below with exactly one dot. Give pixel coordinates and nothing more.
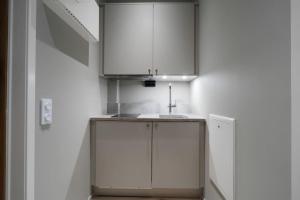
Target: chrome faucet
(170, 99)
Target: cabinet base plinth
(164, 193)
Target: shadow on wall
(53, 31)
(80, 177)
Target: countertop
(151, 117)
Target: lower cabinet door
(123, 155)
(176, 155)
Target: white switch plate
(46, 111)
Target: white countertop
(154, 116)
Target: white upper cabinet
(174, 38)
(128, 33)
(159, 37)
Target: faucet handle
(173, 105)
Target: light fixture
(184, 77)
(164, 77)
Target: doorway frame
(3, 105)
(20, 138)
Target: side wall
(245, 74)
(295, 5)
(67, 72)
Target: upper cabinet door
(174, 38)
(128, 36)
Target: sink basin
(173, 117)
(125, 115)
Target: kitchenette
(149, 145)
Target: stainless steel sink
(173, 117)
(125, 115)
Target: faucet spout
(170, 99)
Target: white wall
(135, 98)
(245, 74)
(295, 5)
(67, 72)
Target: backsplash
(135, 98)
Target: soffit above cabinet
(148, 1)
(81, 15)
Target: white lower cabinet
(130, 155)
(123, 155)
(176, 155)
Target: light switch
(46, 111)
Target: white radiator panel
(222, 154)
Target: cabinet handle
(148, 125)
(156, 72)
(156, 126)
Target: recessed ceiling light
(184, 77)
